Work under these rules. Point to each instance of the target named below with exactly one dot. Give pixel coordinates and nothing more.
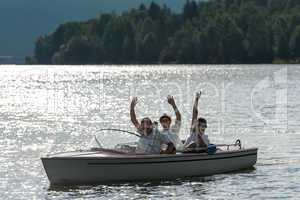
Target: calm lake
(48, 109)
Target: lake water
(58, 108)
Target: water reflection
(136, 190)
(195, 187)
(51, 109)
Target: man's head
(202, 125)
(146, 125)
(165, 121)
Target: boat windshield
(116, 139)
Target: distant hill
(22, 21)
(205, 32)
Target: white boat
(100, 165)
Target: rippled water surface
(59, 108)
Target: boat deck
(107, 153)
(93, 153)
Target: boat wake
(278, 162)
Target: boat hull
(90, 169)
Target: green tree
(277, 5)
(128, 50)
(154, 11)
(215, 31)
(232, 39)
(293, 3)
(184, 47)
(101, 23)
(258, 41)
(214, 43)
(148, 49)
(190, 10)
(280, 31)
(147, 26)
(113, 37)
(295, 43)
(142, 7)
(79, 50)
(44, 50)
(246, 14)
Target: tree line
(205, 32)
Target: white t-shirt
(173, 135)
(193, 138)
(150, 144)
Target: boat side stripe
(153, 162)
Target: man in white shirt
(172, 132)
(151, 139)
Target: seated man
(151, 139)
(197, 136)
(172, 132)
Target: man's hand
(170, 149)
(171, 100)
(198, 94)
(134, 101)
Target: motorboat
(122, 164)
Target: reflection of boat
(100, 165)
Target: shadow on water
(152, 183)
(138, 190)
(147, 186)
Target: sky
(23, 21)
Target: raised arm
(132, 113)
(171, 101)
(195, 108)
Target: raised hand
(171, 100)
(134, 101)
(198, 94)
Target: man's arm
(195, 108)
(171, 101)
(132, 113)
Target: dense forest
(212, 31)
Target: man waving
(172, 132)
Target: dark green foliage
(295, 43)
(233, 42)
(258, 41)
(213, 31)
(281, 37)
(154, 11)
(44, 50)
(79, 50)
(190, 10)
(183, 47)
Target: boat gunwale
(168, 157)
(169, 161)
